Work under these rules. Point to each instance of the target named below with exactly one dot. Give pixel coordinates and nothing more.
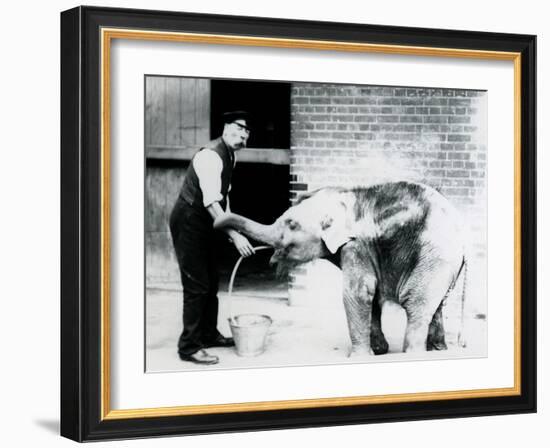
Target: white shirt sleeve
(208, 166)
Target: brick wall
(360, 135)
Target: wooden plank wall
(162, 186)
(177, 111)
(177, 117)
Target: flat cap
(230, 117)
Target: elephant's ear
(335, 227)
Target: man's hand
(242, 244)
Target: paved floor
(299, 335)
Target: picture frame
(87, 35)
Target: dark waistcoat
(191, 191)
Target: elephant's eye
(292, 225)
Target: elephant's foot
(436, 332)
(379, 344)
(436, 344)
(359, 351)
(416, 339)
(414, 348)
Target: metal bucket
(249, 332)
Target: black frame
(81, 224)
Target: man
(203, 197)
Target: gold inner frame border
(107, 35)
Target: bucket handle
(232, 279)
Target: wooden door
(177, 114)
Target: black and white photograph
(297, 224)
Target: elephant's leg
(421, 296)
(436, 332)
(359, 285)
(416, 333)
(378, 341)
(358, 308)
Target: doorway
(260, 189)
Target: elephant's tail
(464, 271)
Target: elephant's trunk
(259, 232)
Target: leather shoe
(220, 341)
(200, 357)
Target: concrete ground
(299, 335)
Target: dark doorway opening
(260, 191)
(267, 102)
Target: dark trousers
(193, 239)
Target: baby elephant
(399, 242)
